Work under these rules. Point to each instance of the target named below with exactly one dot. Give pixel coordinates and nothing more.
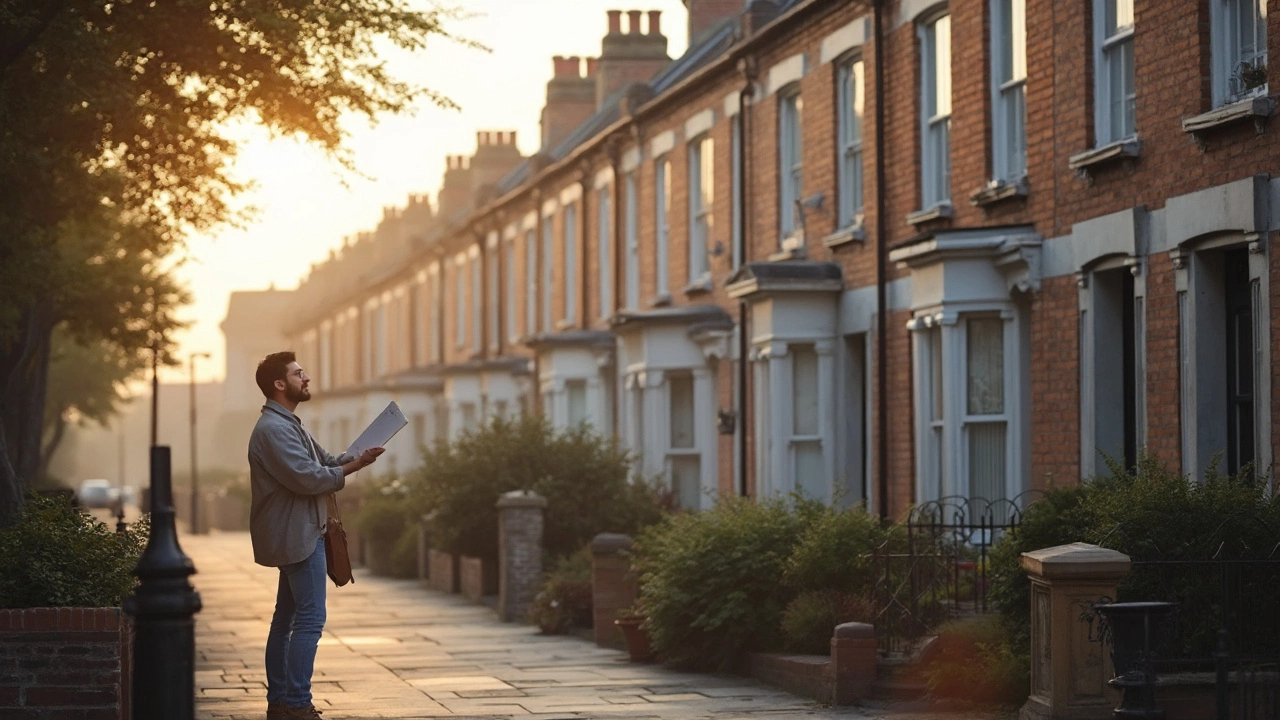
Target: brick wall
(65, 662)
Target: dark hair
(272, 368)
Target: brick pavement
(393, 649)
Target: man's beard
(296, 395)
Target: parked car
(97, 493)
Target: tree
(114, 123)
(86, 385)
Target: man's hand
(365, 460)
(369, 456)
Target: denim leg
(307, 584)
(278, 640)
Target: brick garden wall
(64, 663)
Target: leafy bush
(974, 659)
(564, 602)
(810, 618)
(834, 551)
(57, 556)
(1150, 513)
(584, 478)
(387, 521)
(709, 581)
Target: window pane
(577, 396)
(1003, 52)
(547, 268)
(663, 192)
(570, 262)
(986, 460)
(603, 233)
(934, 338)
(986, 366)
(682, 425)
(942, 31)
(1120, 60)
(686, 481)
(1119, 15)
(810, 476)
(804, 373)
(632, 296)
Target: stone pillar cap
(855, 631)
(1080, 561)
(522, 498)
(606, 543)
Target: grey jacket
(290, 475)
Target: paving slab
(394, 649)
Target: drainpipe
(748, 67)
(882, 272)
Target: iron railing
(940, 569)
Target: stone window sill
(662, 300)
(937, 212)
(701, 286)
(1089, 161)
(564, 324)
(1257, 109)
(998, 191)
(795, 253)
(852, 233)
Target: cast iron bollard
(1134, 631)
(163, 608)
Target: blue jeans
(295, 630)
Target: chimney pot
(574, 64)
(482, 138)
(655, 22)
(591, 66)
(557, 63)
(633, 22)
(615, 22)
(512, 136)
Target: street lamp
(195, 487)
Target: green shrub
(388, 523)
(811, 617)
(1150, 513)
(584, 478)
(834, 551)
(710, 581)
(564, 602)
(975, 659)
(57, 556)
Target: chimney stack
(570, 100)
(634, 57)
(494, 158)
(615, 22)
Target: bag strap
(333, 507)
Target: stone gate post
(519, 552)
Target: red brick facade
(1055, 217)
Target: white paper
(380, 431)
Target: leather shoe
(301, 713)
(276, 710)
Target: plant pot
(637, 638)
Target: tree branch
(12, 50)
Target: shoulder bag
(336, 556)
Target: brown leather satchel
(336, 556)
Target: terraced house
(882, 251)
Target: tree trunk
(24, 372)
(51, 447)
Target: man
(291, 477)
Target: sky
(306, 203)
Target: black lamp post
(195, 484)
(163, 606)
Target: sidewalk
(393, 649)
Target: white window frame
(509, 286)
(1105, 48)
(935, 112)
(548, 269)
(631, 298)
(570, 237)
(850, 102)
(1008, 90)
(460, 297)
(604, 238)
(790, 164)
(1227, 26)
(694, 449)
(434, 349)
(530, 281)
(701, 204)
(940, 344)
(662, 228)
(494, 305)
(477, 299)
